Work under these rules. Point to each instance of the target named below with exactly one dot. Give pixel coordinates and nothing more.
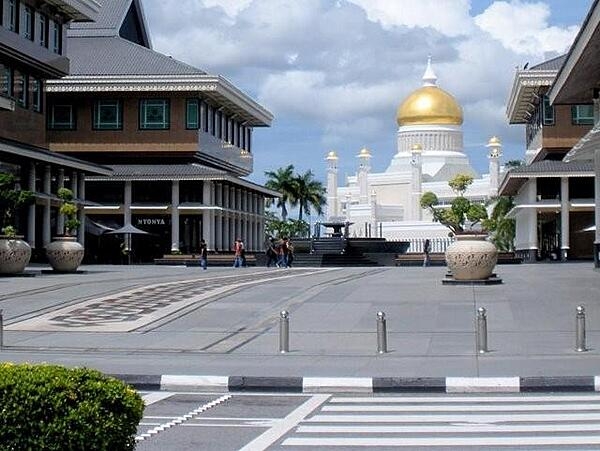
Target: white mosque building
(430, 152)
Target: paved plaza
(154, 320)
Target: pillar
(81, 212)
(494, 155)
(218, 231)
(416, 179)
(31, 216)
(332, 185)
(564, 217)
(60, 219)
(597, 208)
(364, 168)
(175, 215)
(207, 216)
(46, 232)
(532, 222)
(127, 203)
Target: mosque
(429, 153)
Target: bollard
(580, 329)
(1, 329)
(381, 333)
(284, 332)
(482, 344)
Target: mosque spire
(429, 77)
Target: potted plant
(14, 251)
(64, 253)
(471, 256)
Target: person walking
(282, 253)
(290, 253)
(270, 252)
(426, 251)
(238, 250)
(203, 254)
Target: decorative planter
(65, 254)
(471, 257)
(14, 254)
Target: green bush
(48, 407)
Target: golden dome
(429, 105)
(332, 155)
(364, 153)
(494, 142)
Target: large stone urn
(14, 254)
(65, 254)
(471, 257)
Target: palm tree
(308, 193)
(281, 180)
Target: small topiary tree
(69, 209)
(11, 199)
(52, 408)
(462, 212)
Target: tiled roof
(553, 167)
(118, 56)
(551, 64)
(111, 16)
(163, 170)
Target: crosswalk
(526, 421)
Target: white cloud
(523, 27)
(338, 69)
(450, 17)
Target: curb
(527, 384)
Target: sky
(333, 72)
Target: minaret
(416, 163)
(364, 168)
(495, 147)
(373, 214)
(332, 185)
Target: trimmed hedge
(49, 407)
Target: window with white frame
(154, 114)
(192, 114)
(61, 117)
(582, 114)
(26, 25)
(108, 115)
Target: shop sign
(151, 221)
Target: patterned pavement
(129, 310)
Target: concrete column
(60, 219)
(127, 203)
(81, 213)
(207, 219)
(597, 208)
(226, 197)
(239, 200)
(218, 232)
(532, 242)
(75, 184)
(227, 232)
(564, 217)
(47, 183)
(416, 212)
(31, 215)
(174, 215)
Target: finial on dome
(416, 148)
(332, 155)
(364, 153)
(429, 77)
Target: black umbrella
(127, 230)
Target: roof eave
(526, 85)
(558, 91)
(78, 10)
(240, 103)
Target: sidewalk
(233, 331)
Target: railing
(437, 245)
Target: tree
(501, 227)
(281, 180)
(11, 200)
(307, 193)
(461, 209)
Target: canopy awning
(584, 149)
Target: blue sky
(333, 72)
